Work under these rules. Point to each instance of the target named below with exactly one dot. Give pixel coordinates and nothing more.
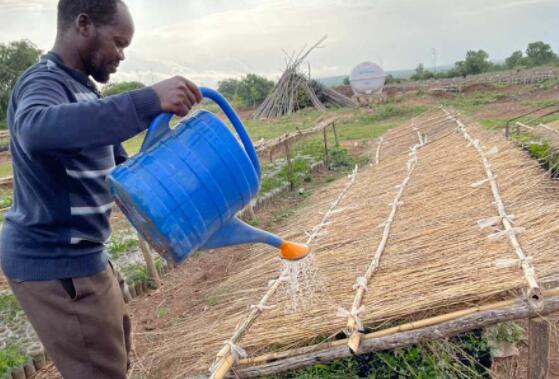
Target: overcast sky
(208, 40)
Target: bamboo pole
(224, 358)
(355, 335)
(461, 322)
(377, 155)
(150, 264)
(409, 326)
(535, 297)
(549, 128)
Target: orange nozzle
(293, 251)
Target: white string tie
(361, 282)
(487, 222)
(355, 316)
(494, 150)
(262, 307)
(505, 233)
(512, 263)
(483, 181)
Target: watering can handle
(160, 126)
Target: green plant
(5, 201)
(11, 358)
(465, 356)
(122, 243)
(118, 88)
(136, 272)
(494, 123)
(506, 332)
(162, 312)
(9, 306)
(338, 159)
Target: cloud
(26, 5)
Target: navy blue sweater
(65, 140)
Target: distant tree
(476, 62)
(539, 53)
(15, 58)
(251, 90)
(391, 79)
(515, 60)
(421, 73)
(117, 88)
(346, 81)
(228, 87)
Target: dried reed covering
(436, 259)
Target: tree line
(477, 62)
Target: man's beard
(96, 68)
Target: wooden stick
(325, 147)
(377, 156)
(414, 325)
(289, 165)
(538, 348)
(475, 320)
(534, 291)
(336, 138)
(355, 337)
(150, 264)
(549, 128)
(224, 359)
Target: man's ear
(84, 25)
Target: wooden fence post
(150, 263)
(335, 134)
(325, 147)
(538, 348)
(289, 165)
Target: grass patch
(472, 102)
(362, 126)
(163, 312)
(137, 272)
(494, 123)
(540, 103)
(6, 169)
(549, 84)
(121, 243)
(9, 307)
(11, 358)
(5, 200)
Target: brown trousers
(82, 322)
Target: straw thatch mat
(436, 259)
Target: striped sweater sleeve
(45, 121)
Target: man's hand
(177, 95)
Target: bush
(11, 358)
(118, 88)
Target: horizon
(211, 41)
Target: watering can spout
(236, 232)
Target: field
(217, 287)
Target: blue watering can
(182, 191)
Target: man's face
(105, 48)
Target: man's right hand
(177, 95)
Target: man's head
(98, 30)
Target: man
(65, 141)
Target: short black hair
(101, 12)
